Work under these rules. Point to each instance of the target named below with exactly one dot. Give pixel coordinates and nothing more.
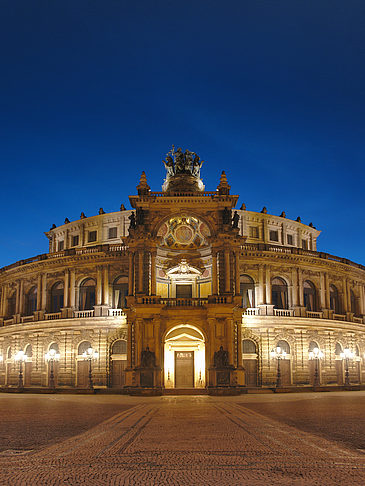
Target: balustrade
(116, 313)
(252, 311)
(283, 312)
(84, 313)
(52, 316)
(339, 317)
(314, 314)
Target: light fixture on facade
(51, 357)
(278, 353)
(20, 358)
(315, 355)
(346, 355)
(89, 355)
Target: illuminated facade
(183, 292)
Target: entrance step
(185, 391)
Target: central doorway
(184, 358)
(184, 369)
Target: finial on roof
(101, 211)
(223, 188)
(53, 227)
(243, 207)
(143, 188)
(298, 219)
(264, 210)
(67, 220)
(283, 214)
(82, 215)
(122, 207)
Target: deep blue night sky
(94, 92)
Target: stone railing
(116, 313)
(84, 313)
(339, 317)
(52, 316)
(283, 312)
(252, 311)
(314, 314)
(358, 320)
(184, 302)
(27, 319)
(8, 322)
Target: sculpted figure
(169, 165)
(221, 358)
(148, 358)
(235, 220)
(132, 219)
(226, 216)
(197, 166)
(179, 161)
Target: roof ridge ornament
(143, 188)
(223, 187)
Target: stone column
(3, 301)
(106, 285)
(153, 272)
(230, 341)
(345, 300)
(39, 292)
(261, 298)
(322, 292)
(214, 274)
(237, 273)
(44, 292)
(294, 277)
(140, 271)
(227, 271)
(300, 288)
(268, 285)
(361, 299)
(327, 291)
(130, 274)
(99, 286)
(66, 283)
(82, 235)
(21, 297)
(72, 298)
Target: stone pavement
(187, 441)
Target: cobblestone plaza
(183, 440)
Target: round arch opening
(184, 357)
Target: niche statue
(148, 358)
(221, 358)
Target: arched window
(310, 297)
(55, 347)
(87, 294)
(284, 345)
(120, 291)
(338, 349)
(247, 289)
(28, 351)
(57, 297)
(353, 302)
(279, 292)
(11, 305)
(334, 300)
(84, 346)
(248, 347)
(31, 301)
(312, 345)
(119, 347)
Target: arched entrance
(184, 358)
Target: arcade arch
(184, 357)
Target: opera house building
(182, 292)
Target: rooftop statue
(183, 170)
